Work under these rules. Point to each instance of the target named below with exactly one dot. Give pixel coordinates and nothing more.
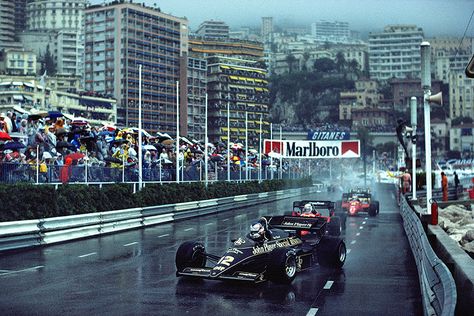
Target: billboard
(312, 149)
(328, 135)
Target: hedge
(27, 201)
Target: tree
(290, 60)
(48, 63)
(340, 62)
(353, 67)
(324, 65)
(386, 91)
(305, 61)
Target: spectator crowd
(48, 147)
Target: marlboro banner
(312, 149)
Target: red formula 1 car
(356, 201)
(322, 209)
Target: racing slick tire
(372, 210)
(282, 266)
(190, 254)
(335, 226)
(332, 252)
(377, 206)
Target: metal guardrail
(55, 174)
(436, 282)
(31, 233)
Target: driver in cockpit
(259, 231)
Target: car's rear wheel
(282, 266)
(372, 210)
(377, 207)
(190, 254)
(334, 226)
(332, 252)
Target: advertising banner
(312, 149)
(328, 135)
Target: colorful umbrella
(5, 136)
(13, 145)
(79, 121)
(149, 147)
(54, 114)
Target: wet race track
(133, 273)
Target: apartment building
(365, 95)
(236, 79)
(24, 93)
(18, 62)
(58, 24)
(197, 89)
(7, 24)
(213, 29)
(331, 31)
(122, 36)
(395, 52)
(461, 95)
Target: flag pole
(205, 145)
(177, 131)
(140, 141)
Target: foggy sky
(436, 17)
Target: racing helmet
(257, 231)
(308, 208)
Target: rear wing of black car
(297, 223)
(317, 204)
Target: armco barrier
(459, 263)
(436, 282)
(20, 234)
(23, 234)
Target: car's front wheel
(282, 266)
(332, 252)
(190, 254)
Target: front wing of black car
(208, 273)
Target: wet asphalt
(133, 273)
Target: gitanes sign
(325, 135)
(313, 149)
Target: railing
(26, 173)
(436, 282)
(33, 233)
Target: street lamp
(413, 145)
(427, 98)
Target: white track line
(366, 218)
(88, 254)
(188, 229)
(364, 222)
(130, 244)
(209, 224)
(349, 250)
(312, 311)
(361, 227)
(23, 270)
(165, 235)
(353, 242)
(225, 220)
(358, 234)
(328, 285)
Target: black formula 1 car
(277, 258)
